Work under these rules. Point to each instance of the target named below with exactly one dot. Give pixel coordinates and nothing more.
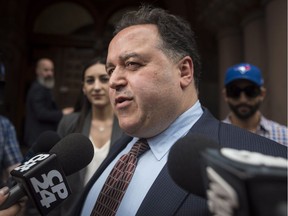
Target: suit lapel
(87, 124)
(165, 197)
(207, 125)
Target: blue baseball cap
(244, 71)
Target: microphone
(185, 163)
(44, 143)
(244, 183)
(43, 179)
(234, 182)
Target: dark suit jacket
(42, 112)
(164, 196)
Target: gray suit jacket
(165, 197)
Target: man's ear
(224, 94)
(263, 93)
(186, 69)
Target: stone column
(230, 52)
(276, 30)
(255, 47)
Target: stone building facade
(73, 31)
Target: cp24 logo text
(48, 190)
(49, 184)
(30, 163)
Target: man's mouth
(120, 100)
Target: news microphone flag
(43, 179)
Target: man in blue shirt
(10, 152)
(154, 70)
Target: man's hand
(67, 110)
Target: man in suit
(154, 69)
(42, 113)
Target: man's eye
(109, 71)
(132, 65)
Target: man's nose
(242, 96)
(117, 79)
(49, 73)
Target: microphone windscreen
(74, 152)
(185, 162)
(45, 141)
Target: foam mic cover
(185, 162)
(42, 177)
(75, 152)
(44, 143)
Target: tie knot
(139, 147)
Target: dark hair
(178, 39)
(83, 105)
(101, 59)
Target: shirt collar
(264, 124)
(161, 143)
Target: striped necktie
(118, 180)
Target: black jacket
(42, 113)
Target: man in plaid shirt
(244, 93)
(10, 153)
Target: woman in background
(95, 120)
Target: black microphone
(44, 143)
(43, 177)
(185, 162)
(245, 183)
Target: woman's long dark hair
(83, 105)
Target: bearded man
(244, 93)
(42, 112)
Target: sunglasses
(250, 91)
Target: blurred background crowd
(71, 32)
